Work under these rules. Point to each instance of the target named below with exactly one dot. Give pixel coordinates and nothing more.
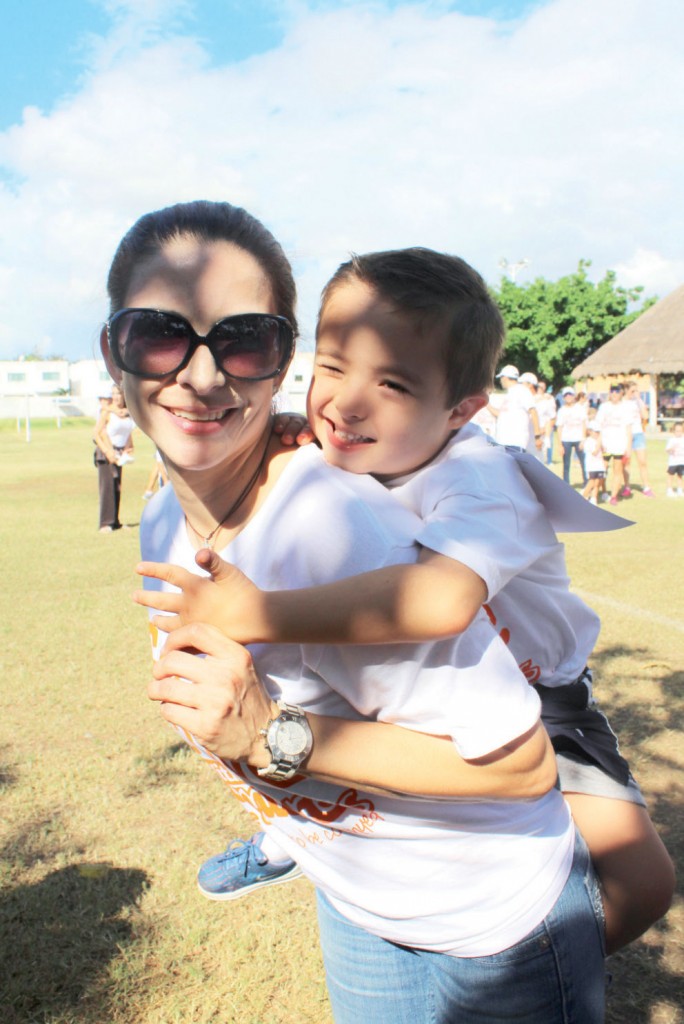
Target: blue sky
(45, 46)
(548, 130)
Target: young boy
(675, 461)
(407, 345)
(594, 463)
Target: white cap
(528, 378)
(509, 371)
(568, 391)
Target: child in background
(675, 460)
(485, 537)
(594, 462)
(158, 477)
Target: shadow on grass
(162, 768)
(57, 937)
(648, 976)
(9, 775)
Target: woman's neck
(218, 502)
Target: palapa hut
(650, 346)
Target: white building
(48, 388)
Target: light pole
(512, 268)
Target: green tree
(553, 325)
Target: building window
(16, 378)
(50, 375)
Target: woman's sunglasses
(154, 344)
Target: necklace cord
(236, 504)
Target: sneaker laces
(243, 850)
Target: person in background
(614, 420)
(158, 477)
(639, 410)
(535, 445)
(517, 423)
(675, 460)
(571, 423)
(594, 462)
(546, 411)
(113, 437)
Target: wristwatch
(288, 739)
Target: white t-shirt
(571, 421)
(593, 455)
(675, 450)
(119, 430)
(463, 877)
(513, 422)
(477, 507)
(613, 419)
(546, 410)
(638, 414)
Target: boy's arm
(227, 707)
(436, 598)
(393, 759)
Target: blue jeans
(555, 975)
(568, 447)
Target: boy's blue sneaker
(241, 869)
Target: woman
(113, 449)
(422, 902)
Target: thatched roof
(653, 343)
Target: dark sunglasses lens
(251, 347)
(151, 343)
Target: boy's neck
(389, 481)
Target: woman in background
(114, 448)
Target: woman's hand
(226, 599)
(218, 698)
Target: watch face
(291, 737)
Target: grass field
(105, 818)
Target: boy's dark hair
(210, 222)
(439, 291)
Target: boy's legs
(634, 868)
(636, 873)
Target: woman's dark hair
(439, 292)
(210, 222)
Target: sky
(544, 131)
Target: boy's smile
(378, 399)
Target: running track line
(640, 613)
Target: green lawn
(106, 818)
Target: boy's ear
(112, 369)
(466, 409)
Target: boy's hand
(293, 429)
(227, 599)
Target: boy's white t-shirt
(477, 507)
(675, 450)
(593, 455)
(463, 877)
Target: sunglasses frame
(285, 329)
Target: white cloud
(554, 139)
